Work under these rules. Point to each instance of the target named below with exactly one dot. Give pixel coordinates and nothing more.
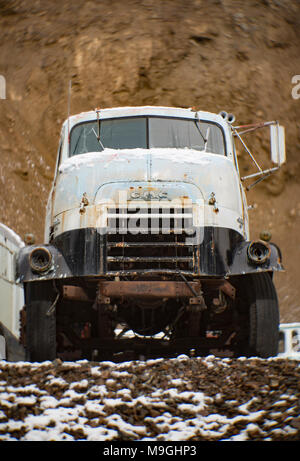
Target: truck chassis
(92, 285)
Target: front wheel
(258, 316)
(40, 329)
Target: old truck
(147, 249)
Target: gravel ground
(180, 399)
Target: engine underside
(119, 319)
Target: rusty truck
(147, 250)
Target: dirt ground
(180, 399)
(238, 56)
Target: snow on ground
(180, 399)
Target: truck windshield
(146, 133)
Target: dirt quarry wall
(238, 56)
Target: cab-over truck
(147, 249)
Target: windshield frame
(147, 117)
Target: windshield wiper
(98, 138)
(98, 125)
(197, 122)
(207, 136)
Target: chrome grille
(152, 240)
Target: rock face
(213, 55)
(180, 399)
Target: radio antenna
(69, 109)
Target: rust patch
(147, 289)
(74, 293)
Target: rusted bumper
(148, 289)
(141, 289)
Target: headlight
(40, 259)
(258, 252)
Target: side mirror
(277, 138)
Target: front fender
(58, 267)
(242, 264)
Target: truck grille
(152, 240)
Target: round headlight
(258, 252)
(40, 259)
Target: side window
(60, 146)
(59, 151)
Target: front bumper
(220, 252)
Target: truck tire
(40, 326)
(260, 316)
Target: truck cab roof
(117, 112)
